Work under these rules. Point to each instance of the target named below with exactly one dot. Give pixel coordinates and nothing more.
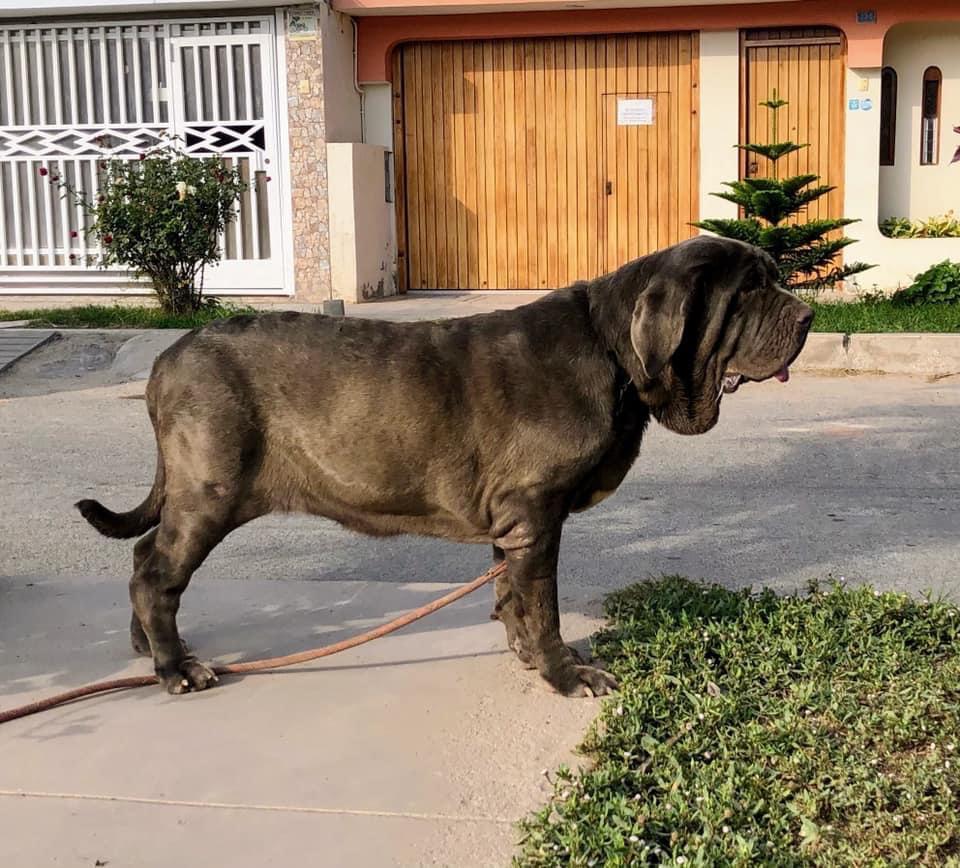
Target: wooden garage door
(806, 68)
(532, 163)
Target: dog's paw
(578, 679)
(529, 660)
(189, 676)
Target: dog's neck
(611, 301)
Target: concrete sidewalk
(421, 748)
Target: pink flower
(73, 233)
(107, 239)
(43, 172)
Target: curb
(17, 343)
(919, 354)
(931, 355)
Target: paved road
(857, 477)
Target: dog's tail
(136, 522)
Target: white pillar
(719, 118)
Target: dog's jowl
(490, 429)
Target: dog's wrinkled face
(711, 318)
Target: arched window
(930, 131)
(888, 116)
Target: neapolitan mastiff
(492, 428)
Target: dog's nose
(805, 318)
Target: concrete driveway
(424, 747)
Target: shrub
(898, 227)
(939, 284)
(805, 252)
(162, 216)
(945, 226)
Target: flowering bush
(162, 217)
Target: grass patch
(120, 316)
(846, 317)
(884, 316)
(816, 730)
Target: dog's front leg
(532, 552)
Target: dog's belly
(395, 524)
(385, 518)
(375, 498)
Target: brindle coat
(492, 428)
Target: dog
(487, 429)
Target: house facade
(393, 145)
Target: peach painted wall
(380, 33)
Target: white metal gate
(72, 95)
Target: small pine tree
(804, 253)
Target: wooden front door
(806, 68)
(504, 149)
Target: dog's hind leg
(138, 638)
(189, 530)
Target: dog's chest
(629, 421)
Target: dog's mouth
(732, 381)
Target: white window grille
(74, 94)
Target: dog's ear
(659, 317)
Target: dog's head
(709, 317)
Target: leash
(259, 665)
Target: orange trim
(379, 35)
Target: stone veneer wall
(308, 167)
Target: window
(930, 131)
(888, 116)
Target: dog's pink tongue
(783, 374)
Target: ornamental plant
(162, 217)
(939, 284)
(941, 226)
(805, 251)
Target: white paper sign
(634, 112)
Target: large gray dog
(491, 429)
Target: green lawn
(883, 316)
(815, 730)
(119, 316)
(831, 317)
